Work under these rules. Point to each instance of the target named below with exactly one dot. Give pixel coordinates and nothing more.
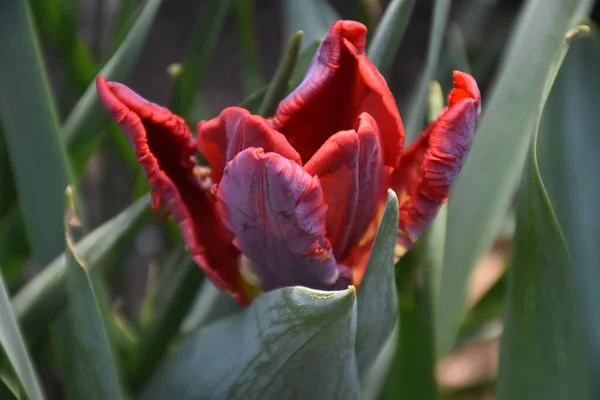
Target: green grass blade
(14, 347)
(542, 353)
(244, 11)
(95, 375)
(482, 194)
(197, 58)
(31, 131)
(415, 117)
(389, 34)
(40, 301)
(87, 118)
(278, 87)
(313, 17)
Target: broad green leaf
(31, 131)
(95, 376)
(289, 343)
(244, 11)
(415, 117)
(482, 194)
(303, 62)
(542, 352)
(40, 301)
(377, 303)
(87, 118)
(389, 34)
(313, 17)
(278, 87)
(14, 347)
(177, 291)
(197, 58)
(568, 160)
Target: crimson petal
(339, 85)
(234, 130)
(166, 151)
(277, 213)
(431, 164)
(350, 167)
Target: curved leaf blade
(542, 354)
(568, 162)
(94, 375)
(377, 302)
(483, 191)
(264, 352)
(40, 301)
(31, 131)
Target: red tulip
(296, 199)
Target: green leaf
(313, 17)
(542, 352)
(377, 304)
(389, 34)
(176, 294)
(293, 342)
(417, 105)
(278, 87)
(567, 154)
(197, 58)
(87, 118)
(14, 347)
(482, 194)
(244, 11)
(31, 131)
(40, 301)
(95, 376)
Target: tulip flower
(296, 199)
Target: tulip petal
(350, 167)
(277, 213)
(431, 164)
(234, 130)
(166, 151)
(339, 85)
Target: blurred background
(475, 38)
